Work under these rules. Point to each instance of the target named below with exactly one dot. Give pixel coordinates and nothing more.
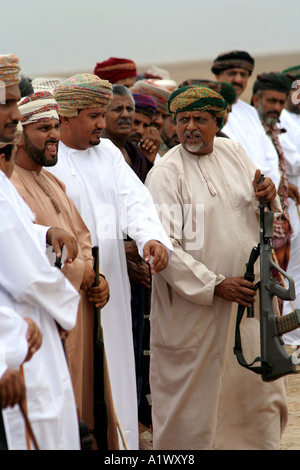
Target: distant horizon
(142, 67)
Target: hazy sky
(52, 36)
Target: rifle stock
(274, 359)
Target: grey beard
(270, 121)
(194, 148)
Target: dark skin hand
(88, 277)
(57, 237)
(266, 189)
(159, 253)
(12, 388)
(150, 143)
(34, 338)
(99, 295)
(139, 272)
(131, 251)
(236, 289)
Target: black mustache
(237, 84)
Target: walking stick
(100, 386)
(3, 440)
(29, 431)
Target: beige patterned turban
(198, 98)
(9, 69)
(38, 107)
(82, 91)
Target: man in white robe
(112, 201)
(243, 124)
(32, 288)
(290, 142)
(204, 190)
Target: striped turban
(144, 104)
(153, 89)
(38, 107)
(233, 59)
(9, 69)
(115, 69)
(198, 98)
(82, 91)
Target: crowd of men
(164, 179)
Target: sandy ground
(291, 435)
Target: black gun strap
(249, 276)
(264, 367)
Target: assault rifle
(275, 362)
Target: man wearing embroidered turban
(144, 135)
(114, 203)
(45, 195)
(162, 121)
(207, 192)
(9, 96)
(243, 124)
(117, 71)
(273, 95)
(270, 92)
(29, 286)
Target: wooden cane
(29, 431)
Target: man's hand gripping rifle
(275, 361)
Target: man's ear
(255, 100)
(2, 162)
(21, 141)
(65, 121)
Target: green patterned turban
(225, 89)
(82, 91)
(198, 98)
(293, 72)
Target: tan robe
(201, 397)
(45, 194)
